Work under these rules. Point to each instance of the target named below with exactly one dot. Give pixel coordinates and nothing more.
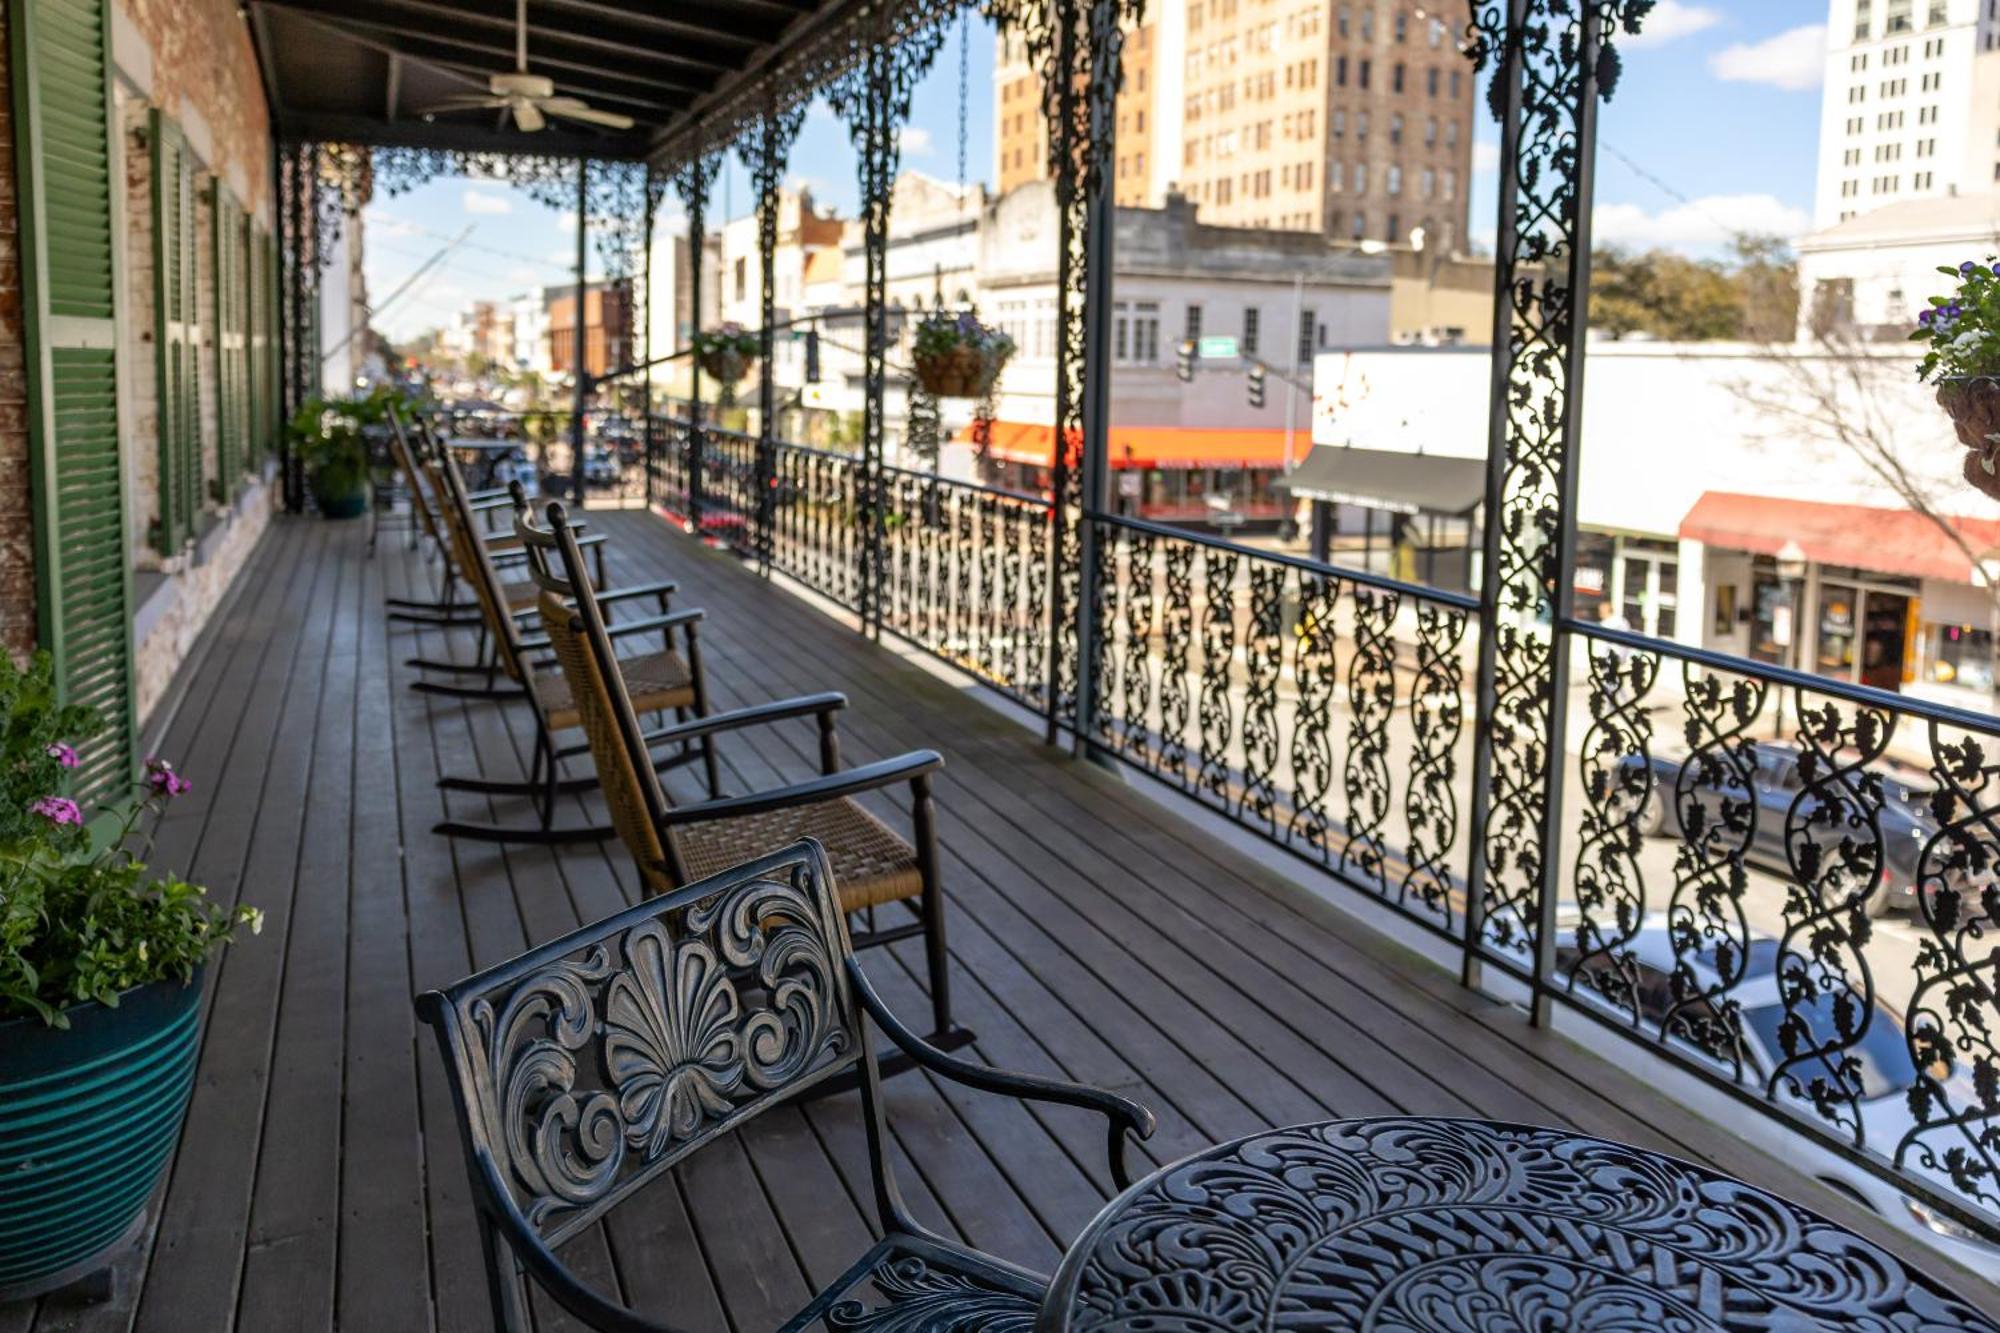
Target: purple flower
(62, 754)
(1996, 270)
(161, 777)
(57, 810)
(1954, 310)
(1968, 268)
(1923, 317)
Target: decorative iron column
(874, 99)
(645, 334)
(579, 370)
(1102, 73)
(695, 177)
(1550, 64)
(777, 130)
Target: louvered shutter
(232, 407)
(176, 334)
(259, 357)
(70, 270)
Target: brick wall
(17, 539)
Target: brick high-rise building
(1348, 117)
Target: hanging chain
(964, 67)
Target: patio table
(1440, 1224)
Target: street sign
(1218, 349)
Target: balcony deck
(1096, 935)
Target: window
(1340, 71)
(1431, 81)
(1454, 85)
(1361, 72)
(1308, 324)
(1396, 129)
(1392, 232)
(1395, 184)
(1402, 26)
(1250, 316)
(1861, 21)
(1430, 183)
(1396, 78)
(1339, 123)
(742, 281)
(1898, 17)
(1360, 227)
(1191, 323)
(1450, 184)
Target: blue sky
(1713, 129)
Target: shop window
(1958, 655)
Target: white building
(1699, 462)
(530, 336)
(1911, 104)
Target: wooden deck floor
(318, 1183)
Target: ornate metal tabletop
(1438, 1225)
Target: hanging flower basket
(955, 356)
(726, 354)
(1963, 330)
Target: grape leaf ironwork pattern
(1404, 1223)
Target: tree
(1669, 296)
(1663, 295)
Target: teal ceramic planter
(88, 1117)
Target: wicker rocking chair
(755, 965)
(667, 680)
(675, 845)
(416, 451)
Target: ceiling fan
(529, 98)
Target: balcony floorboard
(1094, 935)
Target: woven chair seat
(656, 681)
(871, 864)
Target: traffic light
(1257, 386)
(812, 356)
(1184, 360)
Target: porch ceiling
(369, 71)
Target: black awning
(1379, 479)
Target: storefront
(1877, 597)
(1185, 475)
(1638, 577)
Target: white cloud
(914, 140)
(566, 223)
(1705, 224)
(479, 201)
(1670, 21)
(1485, 157)
(1794, 60)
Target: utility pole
(1292, 386)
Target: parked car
(1905, 818)
(1884, 1070)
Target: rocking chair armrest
(909, 767)
(1125, 1115)
(501, 542)
(671, 621)
(805, 705)
(662, 589)
(479, 501)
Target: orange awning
(1142, 447)
(1885, 541)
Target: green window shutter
(232, 408)
(70, 272)
(256, 392)
(176, 333)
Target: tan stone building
(1347, 117)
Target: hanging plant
(1963, 331)
(726, 354)
(956, 356)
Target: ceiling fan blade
(528, 116)
(470, 102)
(571, 108)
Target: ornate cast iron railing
(1322, 708)
(1791, 887)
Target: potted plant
(956, 356)
(100, 965)
(727, 353)
(1963, 333)
(332, 437)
